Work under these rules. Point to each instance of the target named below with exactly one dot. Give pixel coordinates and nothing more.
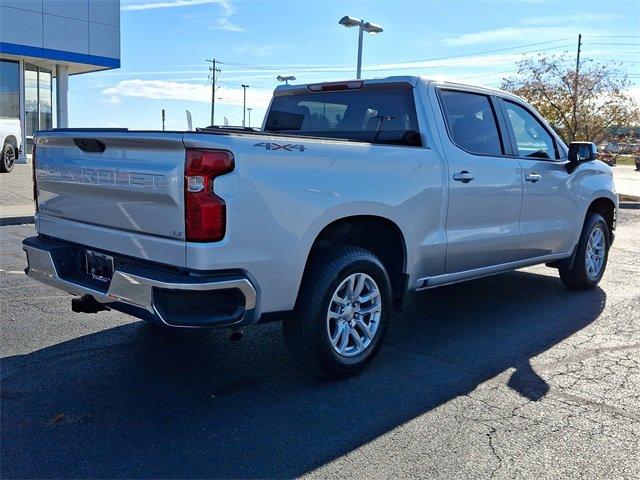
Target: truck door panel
(550, 213)
(485, 185)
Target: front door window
(532, 140)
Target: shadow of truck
(132, 401)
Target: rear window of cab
(380, 116)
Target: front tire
(8, 158)
(591, 256)
(342, 313)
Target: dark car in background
(608, 158)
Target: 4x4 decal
(276, 146)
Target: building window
(37, 101)
(44, 97)
(9, 89)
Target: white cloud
(174, 4)
(226, 24)
(571, 19)
(255, 49)
(505, 34)
(186, 91)
(634, 92)
(221, 23)
(537, 27)
(113, 100)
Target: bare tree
(586, 107)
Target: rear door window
(532, 139)
(385, 115)
(471, 122)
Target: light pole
(286, 79)
(244, 102)
(362, 27)
(249, 110)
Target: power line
(232, 84)
(613, 36)
(480, 75)
(322, 68)
(613, 60)
(394, 66)
(618, 44)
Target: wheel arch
(605, 207)
(13, 141)
(602, 205)
(380, 235)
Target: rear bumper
(147, 291)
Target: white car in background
(11, 136)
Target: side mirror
(582, 152)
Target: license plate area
(99, 266)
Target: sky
(165, 44)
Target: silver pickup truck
(352, 194)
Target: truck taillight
(204, 212)
(34, 177)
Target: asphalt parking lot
(510, 376)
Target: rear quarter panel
(278, 201)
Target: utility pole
(213, 71)
(575, 88)
(163, 119)
(244, 103)
(249, 110)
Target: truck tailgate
(136, 184)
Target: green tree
(587, 107)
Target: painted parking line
(12, 272)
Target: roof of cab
(410, 79)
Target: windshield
(386, 116)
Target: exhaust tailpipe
(87, 304)
(236, 334)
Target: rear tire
(591, 256)
(342, 312)
(8, 158)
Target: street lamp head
(349, 22)
(366, 26)
(372, 28)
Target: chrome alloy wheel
(594, 256)
(354, 314)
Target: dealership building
(46, 40)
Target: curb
(630, 205)
(17, 220)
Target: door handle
(463, 176)
(533, 177)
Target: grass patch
(628, 198)
(626, 160)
